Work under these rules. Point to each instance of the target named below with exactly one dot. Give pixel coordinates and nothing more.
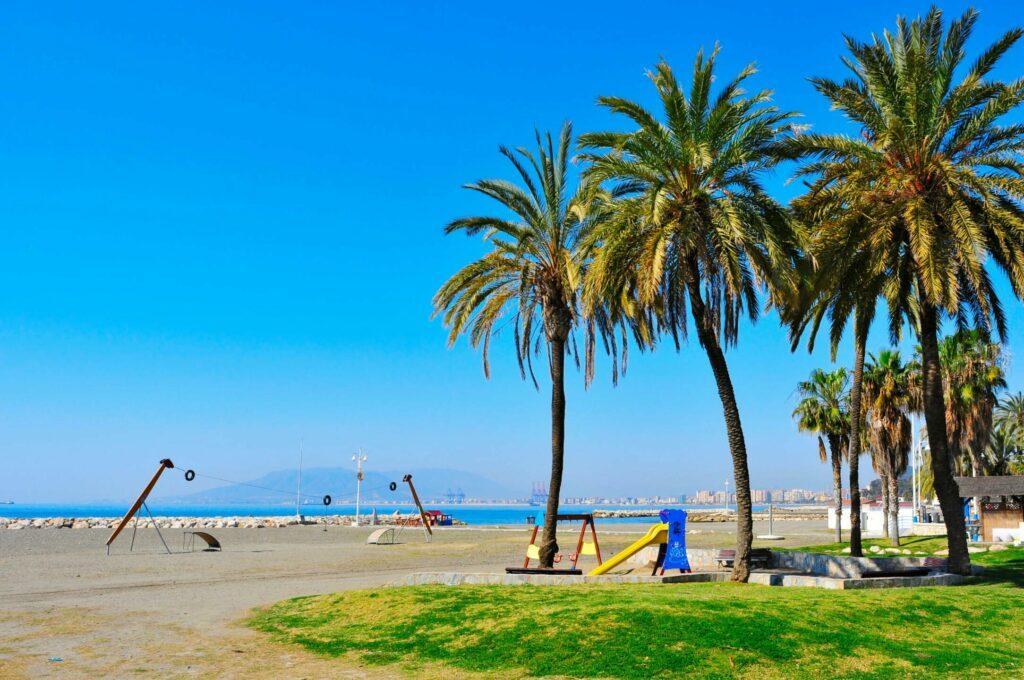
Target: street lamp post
(359, 459)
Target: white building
(871, 520)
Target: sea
(470, 513)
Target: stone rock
(942, 553)
(976, 549)
(905, 551)
(875, 549)
(893, 551)
(846, 550)
(997, 548)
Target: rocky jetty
(780, 514)
(15, 524)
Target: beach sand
(146, 613)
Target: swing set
(583, 547)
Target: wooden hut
(1001, 506)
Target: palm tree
(692, 230)
(971, 375)
(1007, 455)
(841, 278)
(888, 396)
(823, 410)
(1009, 417)
(1002, 455)
(532, 277)
(941, 181)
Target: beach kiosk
(1001, 506)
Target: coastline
(280, 521)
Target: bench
(759, 557)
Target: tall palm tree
(889, 397)
(942, 181)
(531, 278)
(824, 400)
(692, 231)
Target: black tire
(327, 499)
(392, 486)
(190, 475)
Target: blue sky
(222, 228)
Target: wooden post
(533, 539)
(423, 515)
(164, 464)
(579, 543)
(593, 533)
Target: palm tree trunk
(959, 561)
(835, 447)
(549, 543)
(894, 509)
(734, 429)
(860, 343)
(883, 480)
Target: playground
(212, 614)
(183, 614)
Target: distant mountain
(279, 487)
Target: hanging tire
(392, 486)
(190, 475)
(327, 499)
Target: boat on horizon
(6, 502)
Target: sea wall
(779, 514)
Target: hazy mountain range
(279, 487)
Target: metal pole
(298, 487)
(157, 527)
(913, 467)
(358, 457)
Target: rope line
(187, 471)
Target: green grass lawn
(698, 630)
(917, 545)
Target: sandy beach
(147, 613)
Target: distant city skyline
(223, 228)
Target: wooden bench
(759, 557)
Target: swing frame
(588, 522)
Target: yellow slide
(656, 535)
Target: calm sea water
(470, 514)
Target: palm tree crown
(824, 404)
(533, 274)
(692, 210)
(936, 176)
